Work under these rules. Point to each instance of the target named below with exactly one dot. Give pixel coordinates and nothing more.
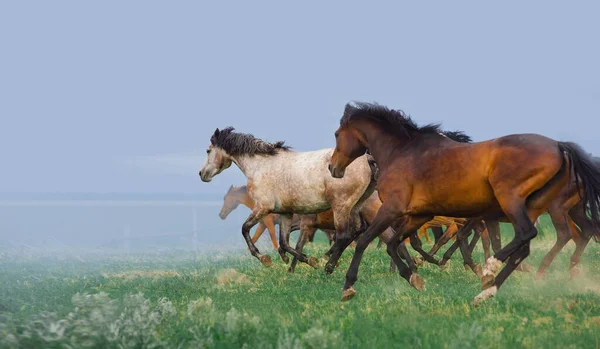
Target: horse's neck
(384, 146)
(248, 165)
(252, 166)
(245, 199)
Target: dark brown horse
(423, 174)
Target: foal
(239, 195)
(286, 182)
(423, 174)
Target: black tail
(588, 173)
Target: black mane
(236, 144)
(397, 120)
(458, 136)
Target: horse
(239, 195)
(569, 219)
(285, 182)
(423, 174)
(368, 211)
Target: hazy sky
(122, 96)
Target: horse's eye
(207, 151)
(336, 134)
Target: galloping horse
(239, 195)
(286, 182)
(423, 174)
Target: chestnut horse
(286, 182)
(239, 195)
(423, 174)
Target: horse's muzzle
(336, 172)
(206, 180)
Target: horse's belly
(302, 204)
(464, 203)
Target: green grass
(94, 301)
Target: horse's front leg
(285, 226)
(256, 216)
(344, 237)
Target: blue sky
(120, 97)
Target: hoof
(540, 275)
(265, 259)
(524, 267)
(478, 270)
(348, 294)
(329, 269)
(417, 282)
(285, 258)
(467, 267)
(574, 272)
(291, 269)
(485, 295)
(487, 281)
(492, 266)
(418, 261)
(313, 262)
(444, 265)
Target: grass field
(178, 300)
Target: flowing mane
(235, 143)
(396, 120)
(458, 136)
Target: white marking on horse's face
(217, 160)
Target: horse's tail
(588, 173)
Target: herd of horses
(390, 178)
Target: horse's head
(230, 202)
(349, 145)
(217, 160)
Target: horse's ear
(349, 108)
(214, 137)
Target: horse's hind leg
(305, 232)
(285, 225)
(517, 250)
(563, 236)
(581, 237)
(417, 245)
(485, 241)
(462, 234)
(270, 224)
(448, 234)
(437, 233)
(259, 231)
(467, 256)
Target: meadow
(178, 299)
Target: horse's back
(294, 182)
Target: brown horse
(423, 174)
(567, 214)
